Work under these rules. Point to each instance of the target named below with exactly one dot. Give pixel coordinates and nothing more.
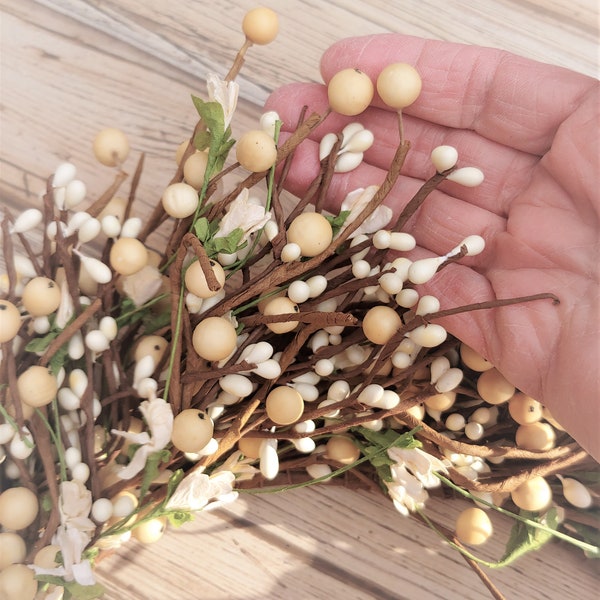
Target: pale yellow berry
(250, 446)
(150, 531)
(473, 360)
(350, 91)
(37, 386)
(380, 324)
(442, 401)
(10, 321)
(284, 405)
(116, 207)
(533, 494)
(256, 151)
(535, 436)
(46, 557)
(473, 526)
(260, 25)
(281, 306)
(342, 449)
(41, 296)
(150, 345)
(180, 200)
(196, 283)
(399, 85)
(192, 430)
(194, 169)
(17, 582)
(18, 508)
(524, 410)
(111, 147)
(214, 338)
(128, 256)
(312, 232)
(12, 549)
(494, 388)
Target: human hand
(533, 130)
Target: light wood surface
(71, 67)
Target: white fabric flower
(74, 534)
(245, 214)
(412, 472)
(356, 201)
(421, 464)
(65, 308)
(158, 415)
(199, 491)
(143, 285)
(239, 466)
(225, 93)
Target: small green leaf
(524, 539)
(212, 115)
(178, 517)
(228, 244)
(202, 140)
(337, 222)
(41, 344)
(58, 360)
(151, 470)
(153, 323)
(591, 535)
(84, 592)
(202, 229)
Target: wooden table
(71, 67)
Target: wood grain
(71, 67)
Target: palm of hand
(530, 127)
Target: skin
(532, 129)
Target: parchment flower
(225, 93)
(243, 214)
(199, 491)
(356, 201)
(158, 415)
(73, 534)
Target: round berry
(399, 85)
(494, 388)
(128, 256)
(284, 405)
(256, 151)
(260, 25)
(18, 508)
(10, 321)
(525, 410)
(111, 147)
(250, 446)
(17, 582)
(342, 449)
(12, 549)
(214, 338)
(192, 430)
(180, 200)
(473, 526)
(312, 232)
(533, 494)
(150, 345)
(150, 531)
(380, 324)
(194, 169)
(350, 91)
(196, 283)
(41, 296)
(46, 557)
(281, 306)
(37, 386)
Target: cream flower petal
(225, 93)
(158, 415)
(243, 214)
(356, 201)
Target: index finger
(503, 97)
